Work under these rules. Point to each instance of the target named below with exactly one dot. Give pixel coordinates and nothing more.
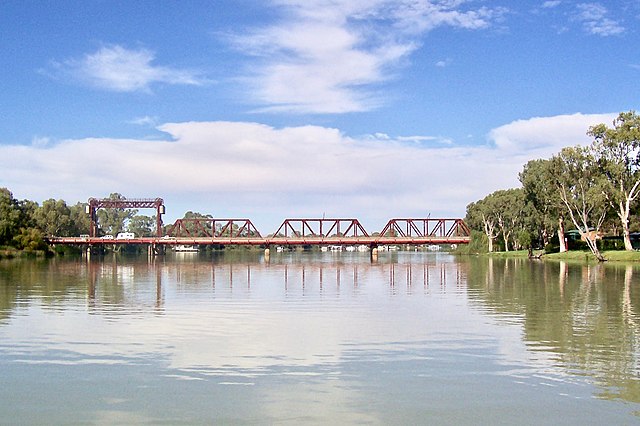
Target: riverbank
(575, 255)
(12, 253)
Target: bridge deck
(251, 241)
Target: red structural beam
(135, 203)
(423, 228)
(320, 228)
(261, 241)
(213, 228)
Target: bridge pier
(154, 249)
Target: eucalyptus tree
(580, 185)
(538, 185)
(481, 215)
(508, 208)
(113, 220)
(80, 220)
(141, 225)
(527, 233)
(54, 218)
(618, 155)
(11, 217)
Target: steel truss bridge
(295, 232)
(292, 232)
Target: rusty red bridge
(292, 232)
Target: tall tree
(580, 184)
(54, 218)
(618, 154)
(537, 183)
(141, 225)
(80, 220)
(508, 206)
(113, 220)
(481, 215)
(10, 217)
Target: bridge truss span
(206, 230)
(320, 228)
(213, 228)
(426, 228)
(134, 203)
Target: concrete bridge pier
(374, 254)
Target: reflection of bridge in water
(308, 277)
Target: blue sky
(271, 109)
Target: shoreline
(575, 255)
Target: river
(318, 338)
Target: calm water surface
(414, 338)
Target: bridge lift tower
(140, 203)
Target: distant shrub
(552, 248)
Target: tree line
(25, 224)
(593, 189)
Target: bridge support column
(267, 254)
(374, 254)
(155, 249)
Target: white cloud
(125, 70)
(145, 121)
(551, 4)
(40, 142)
(240, 169)
(541, 137)
(327, 56)
(595, 20)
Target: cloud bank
(242, 169)
(328, 56)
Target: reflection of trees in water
(50, 282)
(585, 315)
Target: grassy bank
(575, 255)
(611, 256)
(12, 253)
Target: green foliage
(589, 185)
(113, 220)
(30, 239)
(501, 213)
(481, 215)
(617, 152)
(53, 218)
(611, 244)
(523, 237)
(80, 220)
(478, 243)
(142, 225)
(24, 224)
(10, 217)
(580, 184)
(545, 207)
